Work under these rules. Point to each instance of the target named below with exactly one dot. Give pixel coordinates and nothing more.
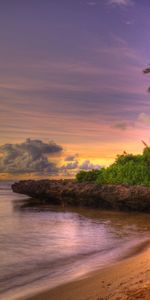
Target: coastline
(125, 280)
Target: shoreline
(125, 280)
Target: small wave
(33, 272)
(137, 249)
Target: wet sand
(126, 280)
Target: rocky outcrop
(70, 192)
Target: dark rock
(70, 192)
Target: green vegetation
(127, 169)
(90, 176)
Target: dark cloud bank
(35, 156)
(29, 157)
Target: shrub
(87, 176)
(127, 169)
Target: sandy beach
(126, 280)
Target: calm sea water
(41, 247)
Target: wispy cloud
(144, 118)
(73, 168)
(128, 22)
(91, 3)
(70, 166)
(71, 157)
(87, 165)
(121, 2)
(123, 125)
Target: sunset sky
(71, 73)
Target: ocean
(44, 246)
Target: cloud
(71, 169)
(71, 157)
(29, 157)
(129, 22)
(92, 3)
(121, 2)
(123, 125)
(87, 165)
(37, 157)
(70, 166)
(144, 118)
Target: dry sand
(126, 280)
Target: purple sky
(71, 71)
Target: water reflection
(119, 220)
(43, 244)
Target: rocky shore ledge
(72, 193)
